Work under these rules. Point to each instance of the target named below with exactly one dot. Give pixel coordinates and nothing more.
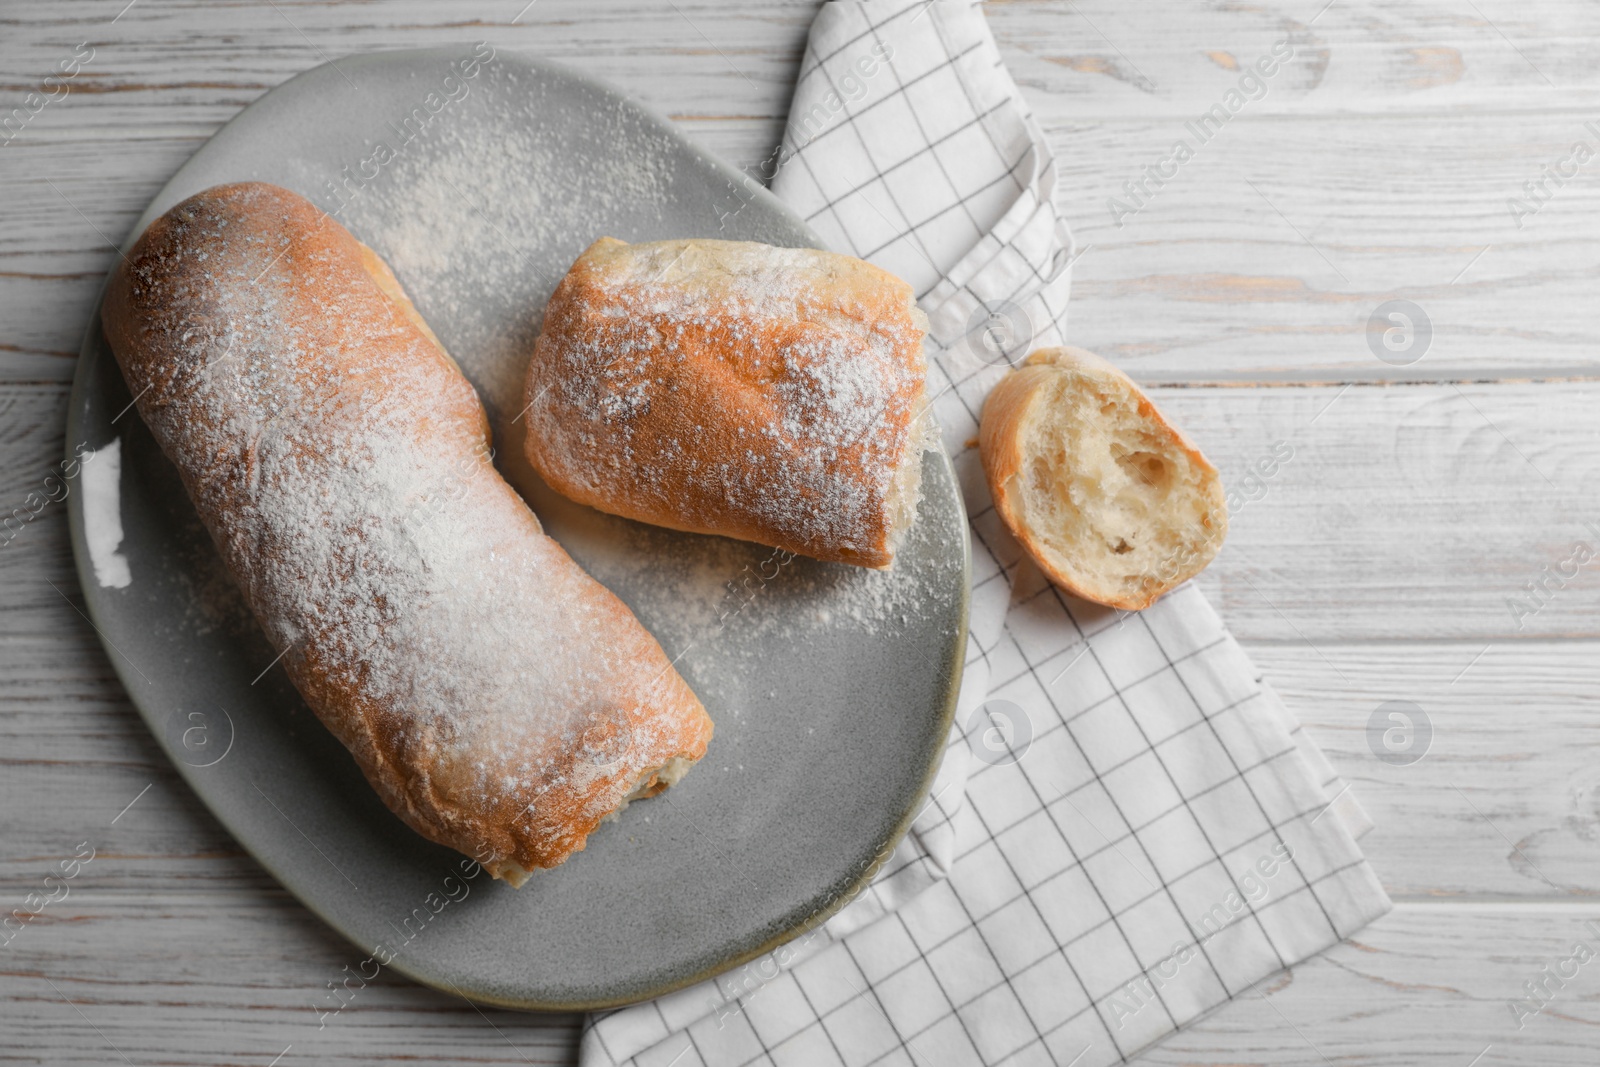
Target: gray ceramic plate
(832, 687)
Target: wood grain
(1377, 165)
(1379, 563)
(1428, 984)
(238, 978)
(1506, 803)
(1404, 512)
(233, 977)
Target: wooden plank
(238, 978)
(1399, 513)
(1238, 268)
(1104, 60)
(232, 977)
(1421, 513)
(1426, 985)
(1505, 803)
(1405, 512)
(1503, 800)
(1268, 253)
(1095, 59)
(1213, 279)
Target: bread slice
(1113, 503)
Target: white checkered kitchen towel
(1138, 833)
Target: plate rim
(89, 352)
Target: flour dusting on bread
(498, 698)
(768, 394)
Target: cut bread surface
(1109, 499)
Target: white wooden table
(1375, 565)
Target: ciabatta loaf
(726, 387)
(498, 698)
(1111, 500)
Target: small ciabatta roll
(768, 394)
(1113, 503)
(498, 698)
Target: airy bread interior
(650, 782)
(905, 492)
(1113, 497)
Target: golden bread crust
(499, 700)
(725, 387)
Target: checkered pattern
(1129, 828)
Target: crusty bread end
(1113, 502)
(734, 388)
